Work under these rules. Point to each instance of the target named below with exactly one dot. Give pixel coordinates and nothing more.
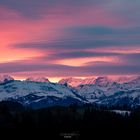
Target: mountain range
(40, 92)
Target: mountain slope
(28, 92)
(42, 93)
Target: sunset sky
(69, 38)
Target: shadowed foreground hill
(76, 120)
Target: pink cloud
(51, 27)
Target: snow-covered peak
(135, 81)
(74, 82)
(126, 79)
(6, 78)
(38, 79)
(88, 81)
(103, 81)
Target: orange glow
(82, 61)
(8, 55)
(24, 76)
(54, 79)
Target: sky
(69, 38)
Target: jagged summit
(74, 82)
(88, 81)
(103, 81)
(6, 78)
(125, 79)
(38, 79)
(71, 81)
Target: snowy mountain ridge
(39, 92)
(102, 81)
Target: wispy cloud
(70, 38)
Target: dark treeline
(58, 119)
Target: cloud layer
(69, 38)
